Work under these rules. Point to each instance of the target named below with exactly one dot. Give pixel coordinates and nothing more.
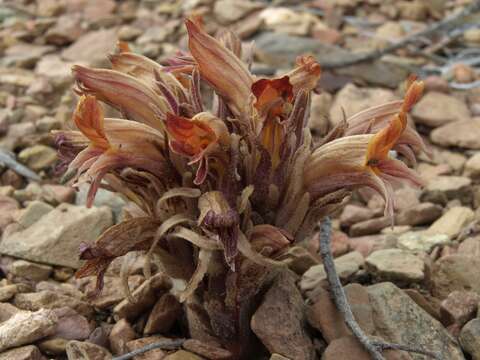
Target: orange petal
(271, 94)
(189, 137)
(386, 139)
(219, 66)
(413, 94)
(88, 117)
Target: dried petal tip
(414, 92)
(88, 117)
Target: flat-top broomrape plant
(219, 195)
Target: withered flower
(219, 195)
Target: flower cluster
(233, 179)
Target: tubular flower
(219, 194)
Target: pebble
(33, 212)
(29, 352)
(26, 327)
(470, 338)
(421, 241)
(31, 271)
(452, 222)
(464, 134)
(459, 307)
(122, 332)
(395, 265)
(83, 350)
(455, 272)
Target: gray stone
(445, 188)
(47, 299)
(33, 212)
(347, 265)
(279, 320)
(396, 265)
(56, 237)
(427, 111)
(26, 327)
(102, 198)
(24, 55)
(465, 134)
(31, 271)
(399, 319)
(38, 157)
(420, 214)
(470, 338)
(421, 241)
(7, 292)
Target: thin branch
(9, 161)
(373, 347)
(169, 344)
(429, 30)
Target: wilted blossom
(219, 193)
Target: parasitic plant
(219, 194)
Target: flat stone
(455, 272)
(112, 292)
(24, 55)
(8, 206)
(38, 157)
(145, 297)
(399, 319)
(7, 310)
(369, 227)
(448, 187)
(56, 237)
(207, 350)
(29, 352)
(54, 346)
(427, 111)
(92, 47)
(470, 338)
(228, 11)
(30, 270)
(452, 222)
(421, 241)
(84, 350)
(347, 265)
(353, 214)
(420, 214)
(72, 325)
(349, 348)
(142, 342)
(47, 299)
(396, 265)
(472, 167)
(465, 134)
(26, 327)
(283, 304)
(33, 212)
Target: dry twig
(169, 344)
(374, 347)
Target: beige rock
(72, 325)
(122, 332)
(54, 346)
(182, 355)
(78, 350)
(228, 11)
(26, 327)
(441, 189)
(352, 99)
(206, 350)
(33, 212)
(319, 110)
(7, 292)
(38, 157)
(30, 270)
(465, 133)
(347, 265)
(420, 214)
(152, 354)
(7, 310)
(112, 292)
(92, 47)
(452, 222)
(455, 272)
(280, 19)
(472, 167)
(472, 35)
(56, 237)
(427, 111)
(421, 241)
(396, 265)
(145, 296)
(353, 214)
(29, 352)
(371, 226)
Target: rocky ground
(417, 283)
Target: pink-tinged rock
(122, 332)
(72, 325)
(60, 193)
(324, 316)
(459, 307)
(353, 214)
(465, 134)
(339, 245)
(149, 355)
